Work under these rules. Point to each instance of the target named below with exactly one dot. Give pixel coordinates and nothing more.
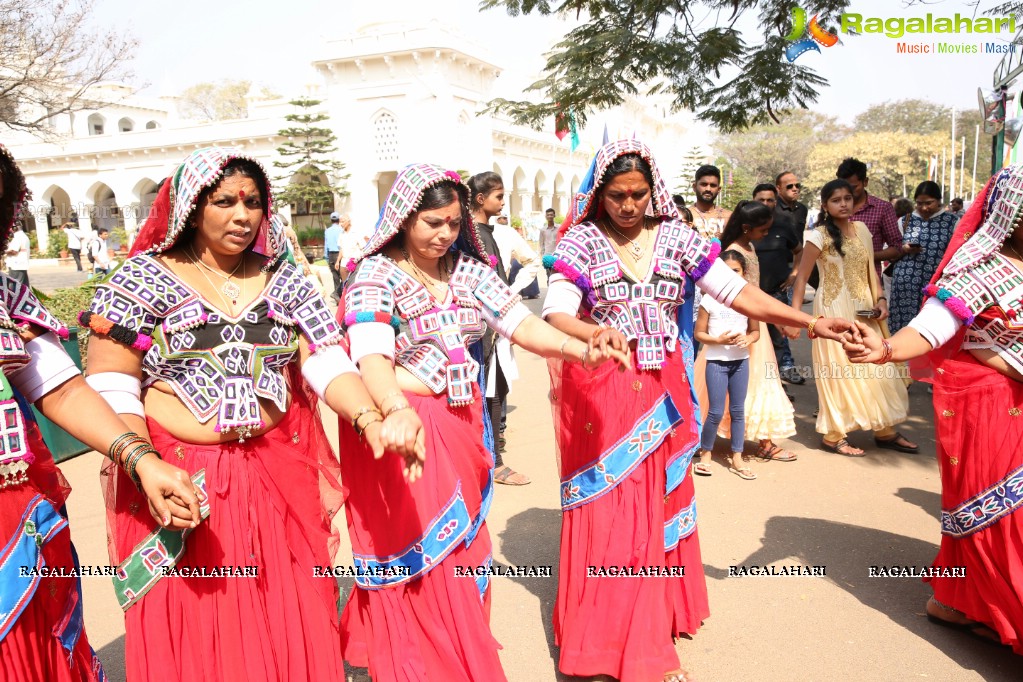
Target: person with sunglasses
(788, 205)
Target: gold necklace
(635, 250)
(229, 288)
(423, 278)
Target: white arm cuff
(936, 323)
(721, 283)
(509, 322)
(325, 365)
(121, 391)
(370, 338)
(562, 297)
(49, 367)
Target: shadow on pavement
(533, 538)
(925, 499)
(112, 658)
(848, 552)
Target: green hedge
(65, 304)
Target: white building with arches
(395, 93)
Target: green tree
(680, 47)
(764, 150)
(312, 176)
(693, 159)
(897, 161)
(917, 116)
(221, 101)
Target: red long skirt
(979, 422)
(435, 626)
(265, 511)
(624, 627)
(31, 650)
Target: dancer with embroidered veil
(968, 333)
(211, 343)
(626, 439)
(415, 308)
(42, 634)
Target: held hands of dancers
(831, 328)
(173, 499)
(607, 343)
(400, 431)
(863, 344)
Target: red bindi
(241, 193)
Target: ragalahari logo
(800, 45)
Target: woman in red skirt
(42, 634)
(210, 342)
(970, 330)
(415, 307)
(626, 439)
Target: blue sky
(259, 41)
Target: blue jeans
(726, 378)
(779, 340)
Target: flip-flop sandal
(772, 454)
(837, 448)
(893, 444)
(744, 473)
(701, 469)
(504, 474)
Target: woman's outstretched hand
(833, 328)
(609, 344)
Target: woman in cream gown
(851, 396)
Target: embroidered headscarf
(177, 199)
(15, 198)
(661, 204)
(403, 200)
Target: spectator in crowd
(680, 203)
(778, 254)
(17, 255)
(955, 207)
(709, 218)
(351, 248)
(521, 261)
(789, 190)
(927, 232)
(74, 243)
(878, 215)
(548, 237)
(903, 207)
(332, 250)
(99, 252)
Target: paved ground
(824, 510)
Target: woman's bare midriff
(408, 382)
(162, 406)
(995, 362)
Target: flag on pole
(606, 138)
(575, 131)
(560, 126)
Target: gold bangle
(361, 412)
(397, 408)
(813, 323)
(393, 394)
(361, 431)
